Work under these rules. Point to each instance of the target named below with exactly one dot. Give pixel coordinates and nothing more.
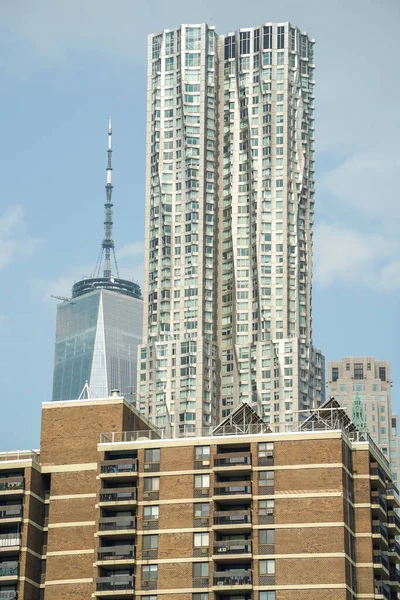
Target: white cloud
(343, 255)
(15, 242)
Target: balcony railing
(8, 569)
(227, 547)
(20, 455)
(392, 494)
(115, 583)
(381, 560)
(11, 483)
(116, 467)
(232, 517)
(232, 459)
(394, 519)
(240, 577)
(9, 539)
(116, 523)
(10, 512)
(394, 547)
(117, 494)
(116, 553)
(232, 488)
(377, 498)
(8, 595)
(395, 575)
(379, 530)
(376, 471)
(382, 589)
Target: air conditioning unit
(270, 455)
(206, 463)
(146, 467)
(204, 551)
(204, 492)
(145, 523)
(270, 512)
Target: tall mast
(108, 243)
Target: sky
(66, 66)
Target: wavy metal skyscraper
(228, 232)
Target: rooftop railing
(20, 455)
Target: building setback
(364, 380)
(112, 507)
(228, 226)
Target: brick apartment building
(112, 507)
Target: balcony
(116, 554)
(379, 533)
(378, 503)
(381, 562)
(227, 548)
(119, 585)
(115, 525)
(395, 576)
(382, 590)
(9, 485)
(123, 468)
(392, 496)
(393, 522)
(232, 488)
(233, 518)
(240, 578)
(378, 475)
(9, 569)
(8, 595)
(10, 511)
(8, 540)
(393, 552)
(122, 495)
(232, 460)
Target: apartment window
(266, 567)
(202, 596)
(201, 540)
(230, 47)
(202, 452)
(281, 38)
(150, 512)
(266, 450)
(152, 597)
(358, 371)
(266, 507)
(150, 542)
(335, 373)
(202, 509)
(201, 481)
(266, 477)
(151, 484)
(266, 536)
(267, 38)
(347, 366)
(245, 42)
(382, 373)
(149, 572)
(152, 455)
(200, 569)
(270, 595)
(256, 40)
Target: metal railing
(8, 569)
(116, 523)
(10, 539)
(380, 559)
(117, 494)
(10, 511)
(116, 553)
(20, 455)
(232, 547)
(239, 577)
(233, 488)
(232, 460)
(115, 583)
(11, 483)
(232, 517)
(8, 595)
(125, 465)
(393, 492)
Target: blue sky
(65, 66)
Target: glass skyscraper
(97, 336)
(228, 231)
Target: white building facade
(228, 232)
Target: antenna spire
(107, 244)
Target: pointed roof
(330, 415)
(243, 420)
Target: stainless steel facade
(228, 232)
(97, 337)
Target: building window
(266, 507)
(230, 47)
(335, 373)
(245, 42)
(382, 373)
(267, 38)
(152, 456)
(202, 596)
(202, 452)
(151, 484)
(201, 481)
(266, 536)
(201, 540)
(266, 450)
(266, 477)
(270, 595)
(202, 509)
(266, 567)
(347, 366)
(150, 542)
(358, 371)
(256, 40)
(281, 38)
(200, 570)
(150, 512)
(149, 572)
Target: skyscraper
(363, 381)
(228, 230)
(99, 328)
